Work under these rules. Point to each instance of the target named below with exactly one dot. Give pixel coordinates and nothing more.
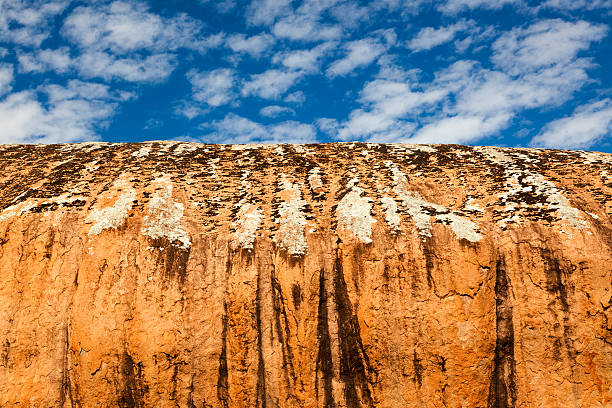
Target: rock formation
(339, 275)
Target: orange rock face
(350, 275)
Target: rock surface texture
(340, 275)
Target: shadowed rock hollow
(340, 275)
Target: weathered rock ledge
(341, 275)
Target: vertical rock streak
(502, 392)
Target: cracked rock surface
(169, 274)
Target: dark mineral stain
(324, 356)
(502, 391)
(353, 358)
(133, 388)
(261, 368)
(296, 294)
(222, 380)
(418, 369)
(173, 259)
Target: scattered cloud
(6, 78)
(543, 44)
(123, 26)
(274, 111)
(588, 125)
(308, 60)
(255, 45)
(271, 84)
(297, 97)
(361, 53)
(215, 88)
(43, 60)
(237, 129)
(264, 12)
(430, 37)
(71, 114)
(456, 6)
(27, 22)
(571, 5)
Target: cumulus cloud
(264, 12)
(215, 88)
(43, 60)
(538, 67)
(70, 114)
(255, 45)
(456, 6)
(460, 129)
(386, 106)
(274, 111)
(308, 60)
(429, 37)
(27, 22)
(237, 129)
(6, 78)
(586, 126)
(270, 84)
(123, 26)
(361, 53)
(578, 4)
(544, 43)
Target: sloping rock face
(340, 275)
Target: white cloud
(255, 45)
(264, 12)
(215, 87)
(297, 97)
(43, 60)
(236, 129)
(26, 22)
(588, 125)
(274, 111)
(308, 60)
(460, 129)
(122, 27)
(71, 114)
(360, 53)
(578, 4)
(544, 43)
(386, 104)
(98, 64)
(271, 84)
(430, 37)
(6, 78)
(153, 68)
(456, 6)
(299, 27)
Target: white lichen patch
(292, 219)
(470, 205)
(353, 214)
(556, 200)
(462, 227)
(391, 215)
(142, 152)
(163, 215)
(245, 227)
(115, 215)
(408, 146)
(17, 209)
(185, 148)
(420, 210)
(314, 179)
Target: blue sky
(480, 72)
